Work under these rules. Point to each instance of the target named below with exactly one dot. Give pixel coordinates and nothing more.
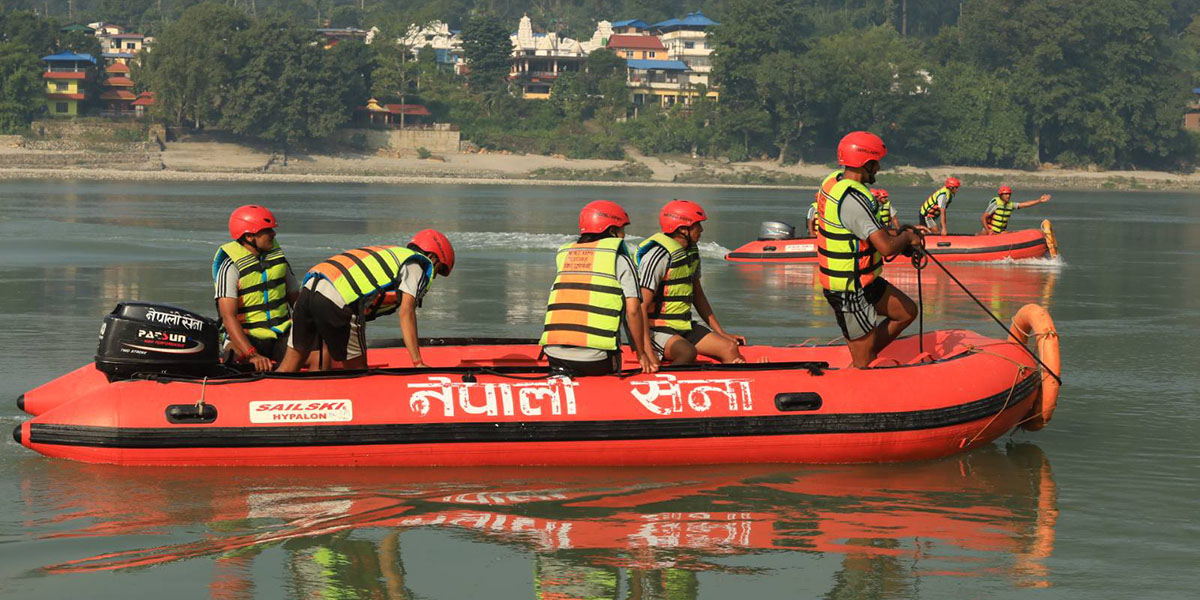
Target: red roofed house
(117, 95)
(640, 47)
(143, 103)
(399, 115)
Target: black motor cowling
(776, 230)
(139, 337)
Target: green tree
(980, 122)
(21, 88)
(284, 93)
(487, 48)
(26, 28)
(191, 68)
(395, 72)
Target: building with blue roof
(662, 82)
(629, 26)
(686, 40)
(67, 77)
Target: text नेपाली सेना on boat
(493, 403)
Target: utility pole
(904, 18)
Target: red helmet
(1004, 189)
(436, 243)
(680, 213)
(879, 193)
(250, 218)
(953, 182)
(860, 147)
(598, 215)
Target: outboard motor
(139, 337)
(776, 230)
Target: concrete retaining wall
(437, 141)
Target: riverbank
(223, 161)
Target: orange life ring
(1034, 320)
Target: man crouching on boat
(595, 286)
(339, 295)
(851, 244)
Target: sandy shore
(220, 161)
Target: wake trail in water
(507, 240)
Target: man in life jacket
(341, 294)
(254, 288)
(889, 217)
(1000, 209)
(596, 285)
(669, 274)
(851, 244)
(933, 210)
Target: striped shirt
(857, 213)
(652, 268)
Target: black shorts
(272, 348)
(855, 311)
(661, 335)
(575, 368)
(316, 319)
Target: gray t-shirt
(653, 265)
(227, 280)
(411, 278)
(627, 277)
(857, 213)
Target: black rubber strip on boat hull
(527, 431)
(934, 251)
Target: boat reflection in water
(591, 533)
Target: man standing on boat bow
(342, 293)
(851, 244)
(255, 288)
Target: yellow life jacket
(885, 213)
(846, 263)
(930, 208)
(999, 221)
(672, 310)
(586, 301)
(262, 289)
(372, 274)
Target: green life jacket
(1004, 210)
(586, 301)
(846, 263)
(262, 288)
(672, 311)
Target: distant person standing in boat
(811, 219)
(887, 215)
(1000, 209)
(851, 244)
(342, 293)
(933, 211)
(254, 288)
(669, 274)
(595, 286)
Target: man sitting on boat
(254, 288)
(669, 273)
(887, 215)
(995, 217)
(595, 286)
(851, 244)
(933, 211)
(342, 293)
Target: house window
(130, 45)
(60, 86)
(60, 107)
(652, 54)
(629, 54)
(689, 45)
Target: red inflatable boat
(1027, 243)
(493, 404)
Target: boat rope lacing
(989, 313)
(200, 402)
(1012, 389)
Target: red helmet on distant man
(1004, 189)
(680, 213)
(250, 218)
(953, 182)
(597, 216)
(436, 243)
(860, 147)
(879, 193)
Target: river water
(1101, 504)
